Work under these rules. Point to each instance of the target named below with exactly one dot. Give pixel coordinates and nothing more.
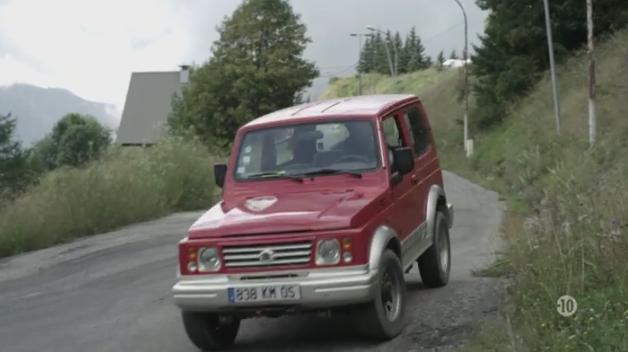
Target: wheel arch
(437, 201)
(384, 238)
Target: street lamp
(466, 79)
(393, 70)
(360, 36)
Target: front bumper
(320, 288)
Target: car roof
(361, 105)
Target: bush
(125, 186)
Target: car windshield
(308, 149)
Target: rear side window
(419, 130)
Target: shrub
(125, 186)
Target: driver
(360, 141)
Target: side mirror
(220, 172)
(404, 160)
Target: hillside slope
(440, 92)
(38, 109)
(567, 227)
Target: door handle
(414, 179)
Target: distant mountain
(38, 109)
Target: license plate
(269, 293)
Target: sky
(91, 47)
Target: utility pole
(390, 63)
(466, 79)
(592, 115)
(359, 36)
(550, 46)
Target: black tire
(208, 332)
(384, 317)
(434, 268)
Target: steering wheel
(295, 166)
(352, 157)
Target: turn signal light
(192, 254)
(346, 244)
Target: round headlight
(208, 259)
(328, 252)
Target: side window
(391, 132)
(419, 130)
(393, 138)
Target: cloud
(91, 47)
(88, 47)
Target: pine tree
(257, 67)
(440, 60)
(415, 53)
(453, 55)
(397, 50)
(367, 53)
(423, 60)
(380, 57)
(409, 60)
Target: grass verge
(126, 186)
(567, 224)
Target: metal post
(592, 115)
(550, 46)
(390, 64)
(466, 77)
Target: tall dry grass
(126, 186)
(567, 223)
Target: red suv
(324, 205)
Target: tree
(414, 53)
(397, 45)
(13, 175)
(440, 60)
(256, 67)
(513, 51)
(367, 55)
(381, 57)
(453, 55)
(74, 140)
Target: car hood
(286, 213)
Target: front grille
(267, 255)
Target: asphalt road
(111, 292)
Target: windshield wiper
(274, 174)
(333, 172)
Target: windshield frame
(369, 120)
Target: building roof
(147, 106)
(361, 105)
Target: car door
(401, 218)
(425, 170)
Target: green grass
(126, 186)
(567, 223)
(440, 92)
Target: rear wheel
(383, 318)
(435, 263)
(210, 332)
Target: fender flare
(382, 236)
(436, 193)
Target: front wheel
(210, 332)
(435, 263)
(383, 318)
